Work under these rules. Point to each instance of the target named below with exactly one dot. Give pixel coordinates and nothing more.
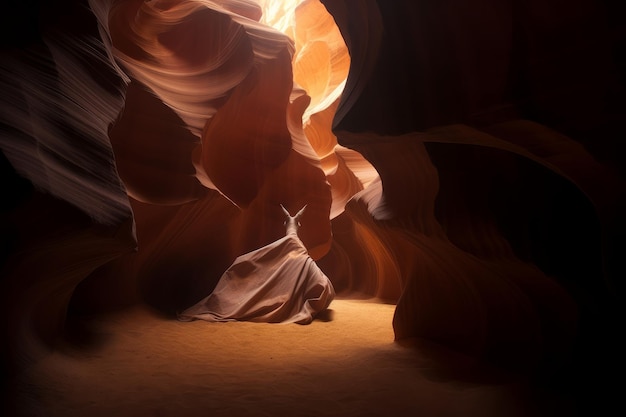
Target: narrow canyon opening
(461, 167)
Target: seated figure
(278, 283)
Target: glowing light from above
(320, 66)
(280, 14)
(321, 61)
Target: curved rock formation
(472, 179)
(61, 94)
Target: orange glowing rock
(249, 94)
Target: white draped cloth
(278, 283)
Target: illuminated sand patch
(150, 366)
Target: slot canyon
(463, 168)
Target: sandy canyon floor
(141, 364)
